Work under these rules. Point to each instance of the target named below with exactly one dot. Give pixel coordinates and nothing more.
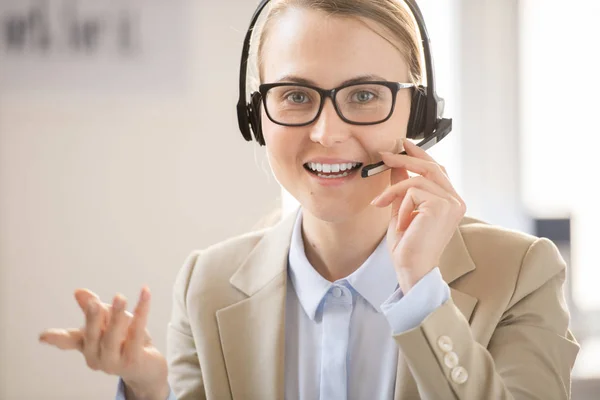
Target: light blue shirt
(339, 335)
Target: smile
(332, 171)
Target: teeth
(315, 167)
(333, 176)
(331, 168)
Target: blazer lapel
(252, 331)
(454, 263)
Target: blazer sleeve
(531, 352)
(185, 374)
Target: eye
(297, 97)
(363, 96)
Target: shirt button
(451, 359)
(337, 292)
(459, 375)
(445, 343)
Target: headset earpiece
(418, 107)
(254, 117)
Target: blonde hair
(392, 16)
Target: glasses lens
(292, 104)
(365, 103)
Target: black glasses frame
(394, 87)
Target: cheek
(283, 146)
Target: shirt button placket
(337, 310)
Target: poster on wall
(92, 46)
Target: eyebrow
(304, 81)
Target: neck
(337, 249)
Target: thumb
(64, 339)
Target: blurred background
(120, 154)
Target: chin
(332, 211)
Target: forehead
(328, 49)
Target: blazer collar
(269, 258)
(455, 260)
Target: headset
(427, 108)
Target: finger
(410, 207)
(418, 201)
(399, 190)
(427, 169)
(137, 329)
(413, 150)
(114, 336)
(92, 333)
(64, 339)
(398, 175)
(83, 296)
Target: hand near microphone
(426, 211)
(116, 342)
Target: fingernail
(118, 303)
(145, 294)
(375, 200)
(92, 306)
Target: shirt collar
(375, 280)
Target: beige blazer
(506, 321)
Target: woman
(376, 288)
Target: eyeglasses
(364, 103)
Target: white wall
(560, 86)
(488, 96)
(111, 190)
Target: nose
(329, 128)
